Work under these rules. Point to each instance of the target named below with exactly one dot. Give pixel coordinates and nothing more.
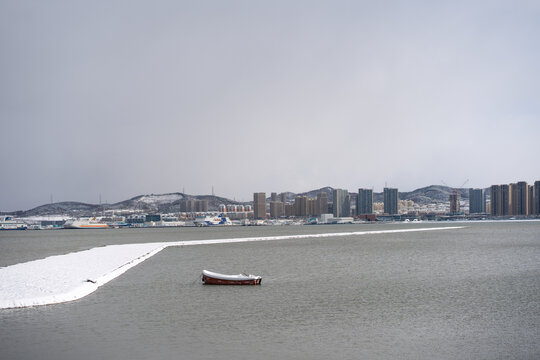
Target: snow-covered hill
(164, 203)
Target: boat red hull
(207, 280)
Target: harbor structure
(390, 198)
(364, 202)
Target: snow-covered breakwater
(69, 277)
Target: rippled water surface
(468, 293)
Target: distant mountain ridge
(171, 202)
(163, 203)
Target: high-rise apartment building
(390, 196)
(364, 202)
(312, 208)
(300, 206)
(289, 210)
(194, 205)
(501, 200)
(273, 196)
(522, 198)
(202, 205)
(188, 205)
(512, 199)
(342, 206)
(259, 205)
(505, 199)
(536, 207)
(277, 209)
(477, 201)
(322, 203)
(515, 199)
(495, 200)
(531, 200)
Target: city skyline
(519, 199)
(190, 202)
(101, 102)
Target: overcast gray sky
(122, 98)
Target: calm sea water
(471, 293)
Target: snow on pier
(72, 276)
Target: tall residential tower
(322, 203)
(536, 193)
(477, 201)
(342, 206)
(259, 205)
(364, 202)
(390, 201)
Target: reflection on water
(467, 293)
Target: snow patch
(160, 199)
(68, 277)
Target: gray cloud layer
(126, 97)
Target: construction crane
(454, 189)
(454, 198)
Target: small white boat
(212, 278)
